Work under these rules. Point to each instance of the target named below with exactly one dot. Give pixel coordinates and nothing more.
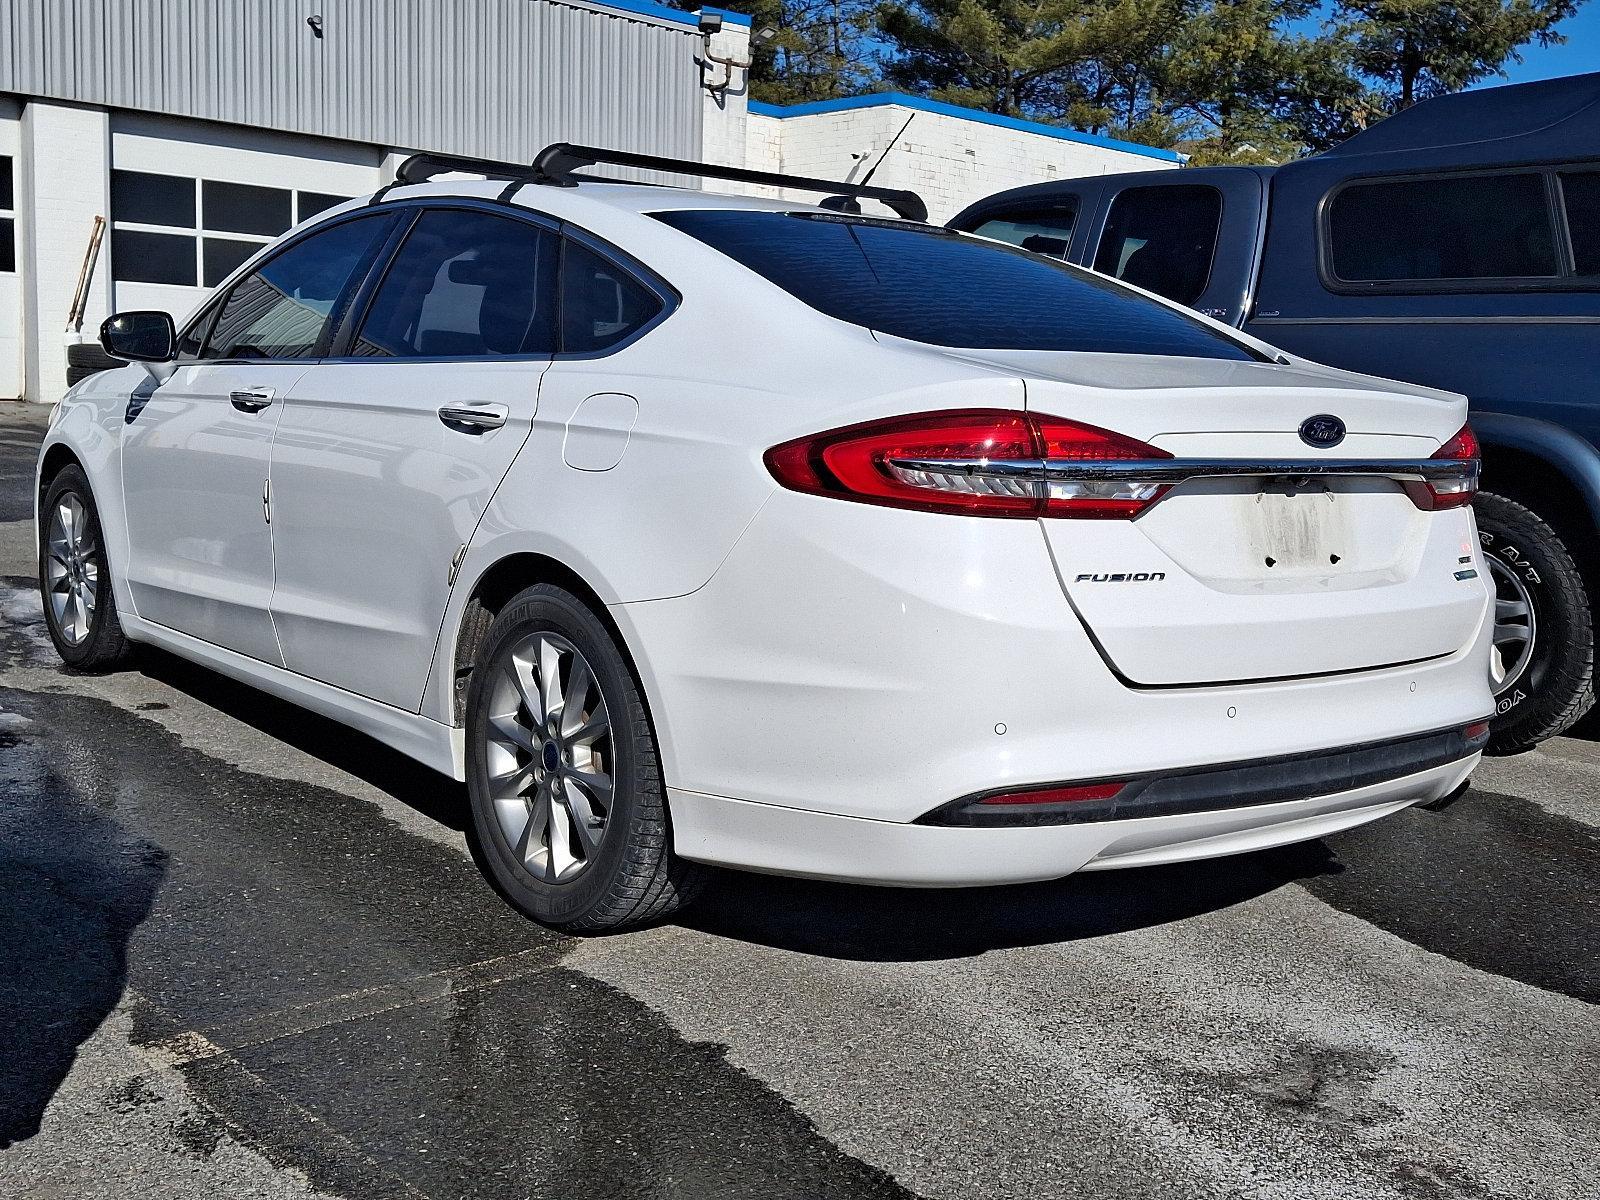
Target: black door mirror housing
(141, 336)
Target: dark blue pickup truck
(1457, 245)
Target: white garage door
(190, 201)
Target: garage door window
(1581, 193)
(173, 229)
(1162, 239)
(1451, 228)
(8, 217)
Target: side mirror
(144, 336)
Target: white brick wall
(63, 184)
(724, 133)
(949, 160)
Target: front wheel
(1542, 668)
(75, 578)
(569, 813)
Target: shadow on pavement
(903, 925)
(431, 794)
(74, 885)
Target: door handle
(474, 418)
(251, 399)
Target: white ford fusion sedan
(696, 529)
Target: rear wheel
(75, 578)
(1542, 668)
(569, 814)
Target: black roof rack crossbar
(557, 163)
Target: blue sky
(1581, 52)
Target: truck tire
(86, 359)
(1543, 666)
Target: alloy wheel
(72, 569)
(1515, 625)
(549, 757)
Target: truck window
(1581, 192)
(1045, 231)
(1162, 239)
(1452, 227)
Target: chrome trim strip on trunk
(1177, 470)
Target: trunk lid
(1230, 579)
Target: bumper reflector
(1056, 795)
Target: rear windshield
(934, 285)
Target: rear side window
(601, 305)
(283, 308)
(1581, 193)
(1162, 239)
(1046, 231)
(465, 285)
(1449, 228)
(933, 285)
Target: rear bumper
(876, 663)
(788, 841)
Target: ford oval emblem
(1322, 431)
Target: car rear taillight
(980, 462)
(1454, 490)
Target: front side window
(284, 308)
(465, 285)
(1162, 239)
(601, 305)
(1048, 231)
(934, 285)
(1463, 227)
(1580, 191)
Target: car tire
(85, 359)
(80, 607)
(1545, 688)
(569, 812)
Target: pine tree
(822, 50)
(1414, 49)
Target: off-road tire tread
(1573, 690)
(108, 647)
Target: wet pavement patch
(350, 998)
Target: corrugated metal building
(199, 130)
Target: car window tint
(1047, 231)
(190, 340)
(601, 304)
(1581, 192)
(933, 285)
(281, 309)
(1162, 239)
(465, 285)
(1452, 227)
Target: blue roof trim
(877, 99)
(647, 8)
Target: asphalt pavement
(243, 953)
